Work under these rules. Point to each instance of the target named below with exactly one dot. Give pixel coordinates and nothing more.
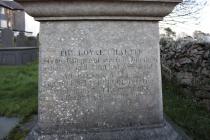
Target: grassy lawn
(18, 97)
(18, 94)
(186, 112)
(18, 90)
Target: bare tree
(185, 12)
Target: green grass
(18, 133)
(18, 95)
(18, 90)
(186, 112)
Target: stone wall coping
(49, 10)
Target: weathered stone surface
(7, 37)
(164, 132)
(100, 69)
(206, 54)
(185, 61)
(21, 40)
(184, 78)
(24, 41)
(152, 10)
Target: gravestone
(32, 41)
(26, 41)
(21, 40)
(7, 37)
(99, 76)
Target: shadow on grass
(186, 112)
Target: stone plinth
(99, 75)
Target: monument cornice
(98, 10)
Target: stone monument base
(164, 132)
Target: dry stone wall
(187, 61)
